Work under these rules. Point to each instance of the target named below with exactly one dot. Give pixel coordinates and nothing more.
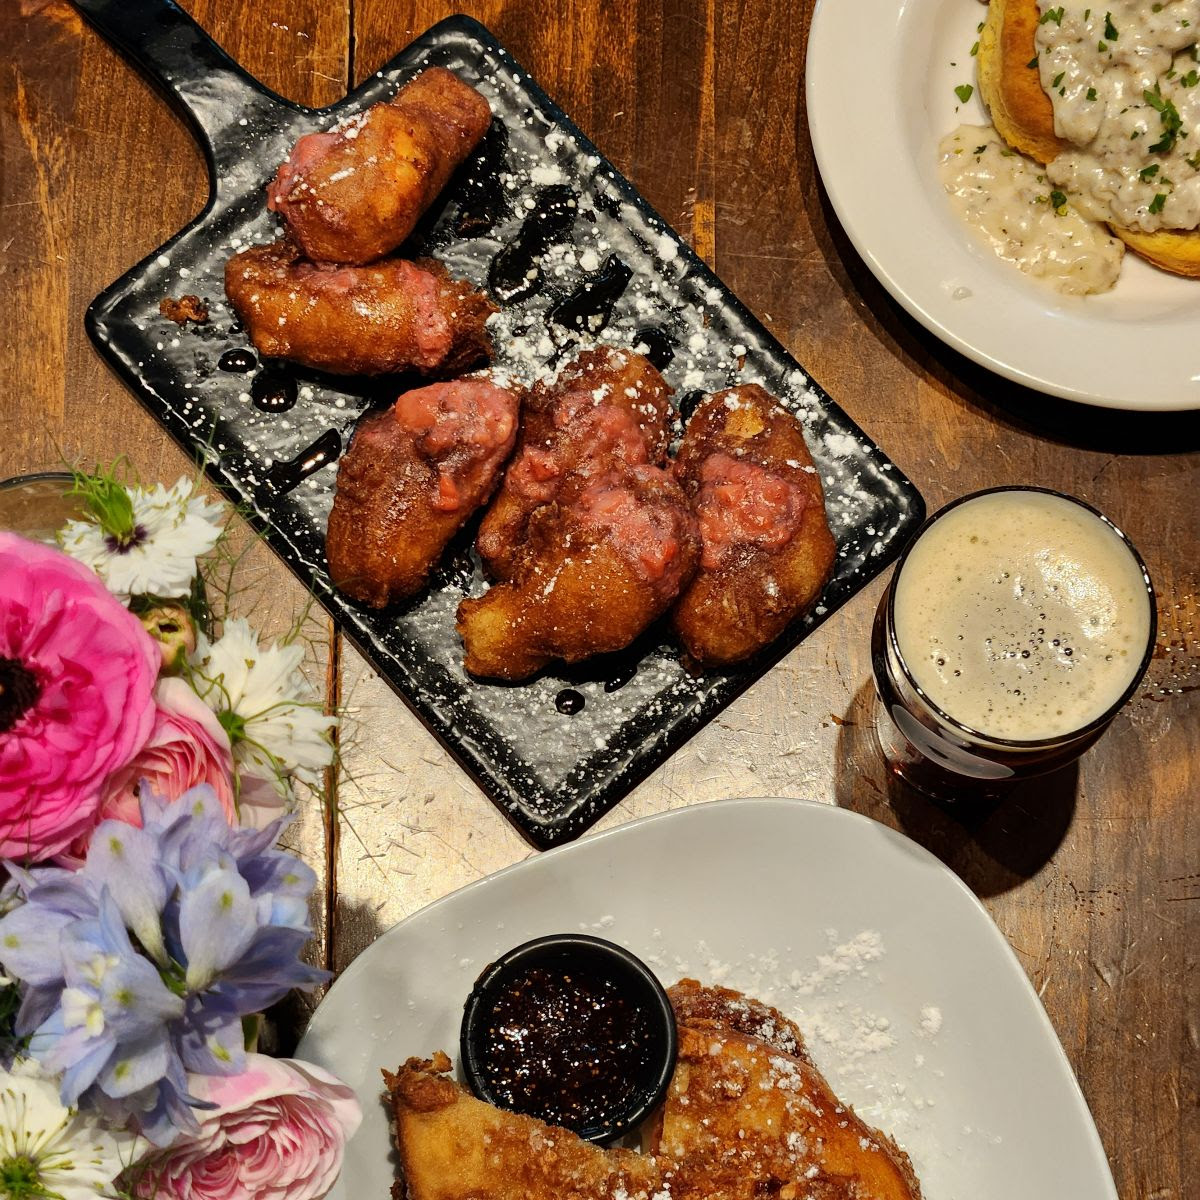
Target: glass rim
(1026, 744)
(17, 481)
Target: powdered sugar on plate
(878, 1056)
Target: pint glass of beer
(1018, 622)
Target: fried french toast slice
(748, 1114)
(455, 1147)
(1023, 115)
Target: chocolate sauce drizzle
(589, 307)
(516, 272)
(284, 476)
(569, 701)
(660, 349)
(238, 361)
(272, 391)
(688, 403)
(484, 203)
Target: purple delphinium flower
(140, 966)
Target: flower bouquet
(150, 751)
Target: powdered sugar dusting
(853, 1029)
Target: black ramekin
(638, 985)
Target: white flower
(264, 703)
(49, 1150)
(172, 528)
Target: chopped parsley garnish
(1156, 205)
(964, 92)
(1052, 14)
(1058, 202)
(1087, 12)
(1032, 63)
(1058, 79)
(1101, 47)
(979, 27)
(975, 50)
(1156, 8)
(1193, 161)
(1110, 30)
(1190, 79)
(1091, 93)
(981, 149)
(1148, 173)
(1168, 114)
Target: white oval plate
(939, 1040)
(880, 94)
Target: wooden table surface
(1094, 878)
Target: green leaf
(1168, 114)
(964, 92)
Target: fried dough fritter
(767, 549)
(597, 566)
(745, 1117)
(572, 429)
(411, 478)
(354, 193)
(391, 316)
(453, 1146)
(1023, 115)
(590, 539)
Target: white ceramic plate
(923, 1018)
(880, 82)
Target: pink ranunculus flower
(278, 1133)
(186, 746)
(77, 674)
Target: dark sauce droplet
(484, 203)
(607, 204)
(284, 476)
(660, 349)
(569, 701)
(237, 361)
(688, 403)
(588, 308)
(515, 272)
(621, 676)
(273, 391)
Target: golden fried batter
(453, 1146)
(354, 193)
(571, 430)
(591, 540)
(746, 1118)
(767, 549)
(411, 478)
(596, 567)
(391, 316)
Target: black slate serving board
(613, 271)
